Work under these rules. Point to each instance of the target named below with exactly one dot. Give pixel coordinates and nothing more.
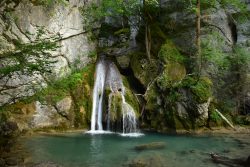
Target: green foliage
(201, 87)
(202, 90)
(212, 51)
(96, 12)
(240, 57)
(151, 9)
(164, 82)
(3, 115)
(92, 54)
(57, 90)
(242, 120)
(237, 4)
(214, 116)
(29, 58)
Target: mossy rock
(150, 146)
(173, 74)
(131, 100)
(176, 71)
(144, 70)
(151, 98)
(115, 107)
(123, 61)
(169, 53)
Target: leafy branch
(29, 58)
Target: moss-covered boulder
(115, 107)
(143, 70)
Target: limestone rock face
(23, 23)
(42, 115)
(203, 111)
(51, 116)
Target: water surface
(113, 150)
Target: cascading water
(98, 92)
(108, 78)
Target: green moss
(144, 70)
(125, 31)
(131, 100)
(57, 90)
(151, 98)
(116, 107)
(172, 75)
(169, 52)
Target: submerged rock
(150, 146)
(47, 164)
(231, 162)
(155, 160)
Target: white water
(107, 75)
(98, 96)
(128, 117)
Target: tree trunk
(198, 33)
(147, 33)
(148, 41)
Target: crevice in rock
(74, 35)
(136, 86)
(134, 83)
(64, 115)
(67, 60)
(21, 31)
(233, 28)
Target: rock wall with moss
(171, 93)
(167, 91)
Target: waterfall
(128, 118)
(109, 78)
(98, 93)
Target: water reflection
(113, 150)
(96, 154)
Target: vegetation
(174, 89)
(29, 58)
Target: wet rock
(155, 160)
(123, 61)
(8, 128)
(2, 162)
(137, 163)
(231, 162)
(47, 164)
(11, 161)
(150, 146)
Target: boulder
(150, 146)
